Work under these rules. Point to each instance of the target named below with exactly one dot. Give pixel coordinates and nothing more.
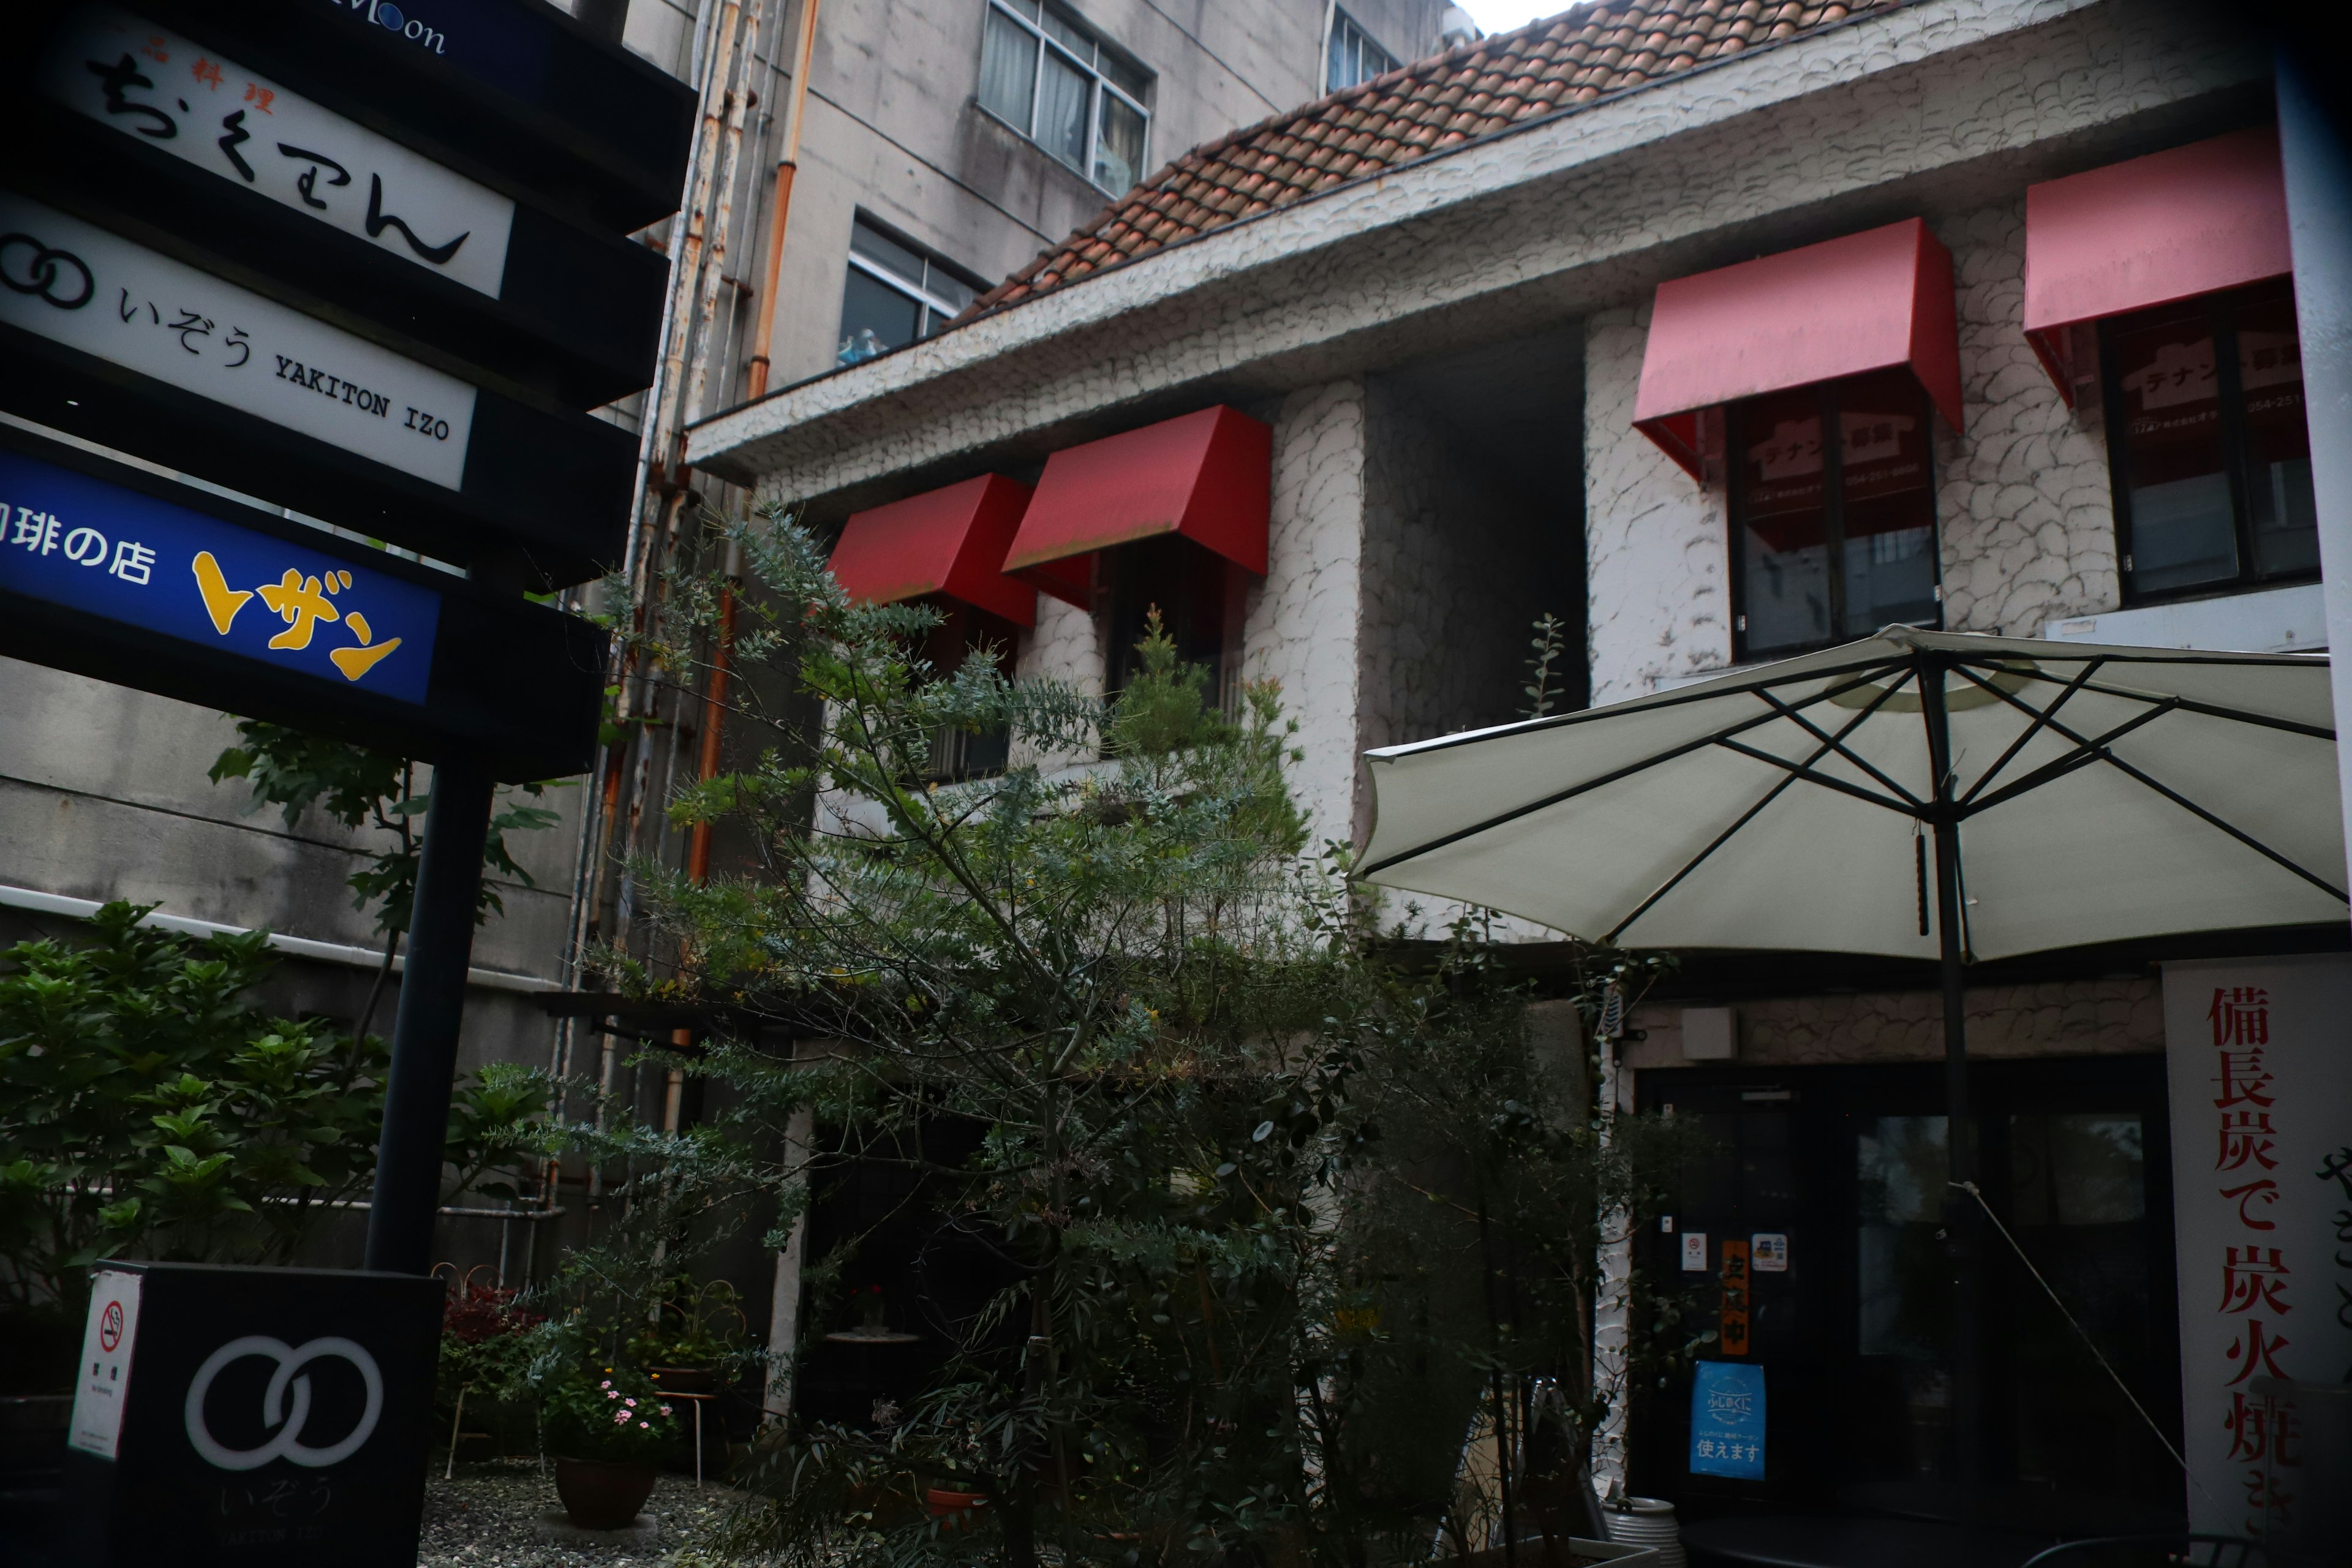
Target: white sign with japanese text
(156, 87)
(77, 285)
(2261, 1078)
(108, 1337)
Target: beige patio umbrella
(1914, 794)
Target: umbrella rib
(1795, 773)
(1821, 734)
(2084, 754)
(2190, 705)
(1630, 769)
(1655, 704)
(2041, 720)
(1906, 807)
(2100, 751)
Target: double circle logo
(43, 270)
(288, 1442)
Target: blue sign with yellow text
(84, 544)
(1728, 1420)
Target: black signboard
(120, 343)
(122, 574)
(191, 149)
(246, 1415)
(514, 86)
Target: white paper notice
(1768, 1252)
(1694, 1252)
(81, 286)
(105, 1375)
(154, 85)
(2262, 1195)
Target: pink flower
(612, 1396)
(646, 1424)
(665, 1409)
(630, 1402)
(622, 1419)
(606, 1383)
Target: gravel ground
(483, 1519)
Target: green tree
(150, 1109)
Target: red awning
(1868, 301)
(2170, 225)
(949, 541)
(1208, 476)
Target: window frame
(2236, 450)
(937, 310)
(1098, 84)
(1833, 541)
(1365, 43)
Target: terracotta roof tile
(1408, 113)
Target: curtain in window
(1008, 68)
(1118, 151)
(1062, 110)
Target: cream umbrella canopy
(2092, 795)
(1913, 795)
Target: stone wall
(2068, 1018)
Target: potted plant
(609, 1428)
(696, 1331)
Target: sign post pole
(425, 1031)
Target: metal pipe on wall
(779, 208)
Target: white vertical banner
(2260, 1059)
(103, 1381)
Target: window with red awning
(1878, 301)
(2150, 231)
(950, 543)
(1165, 517)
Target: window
(1832, 538)
(894, 294)
(1192, 588)
(1046, 77)
(2206, 434)
(1351, 56)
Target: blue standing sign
(1728, 1420)
(84, 544)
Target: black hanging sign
(511, 85)
(130, 577)
(194, 151)
(108, 339)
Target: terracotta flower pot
(600, 1494)
(686, 1379)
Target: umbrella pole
(1960, 1223)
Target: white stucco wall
(1300, 625)
(1655, 553)
(2023, 501)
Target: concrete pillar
(2319, 220)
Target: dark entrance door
(1856, 1336)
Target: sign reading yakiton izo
(247, 1415)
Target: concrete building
(1437, 293)
(946, 141)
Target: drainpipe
(780, 208)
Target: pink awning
(1873, 301)
(1208, 476)
(2171, 225)
(949, 541)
